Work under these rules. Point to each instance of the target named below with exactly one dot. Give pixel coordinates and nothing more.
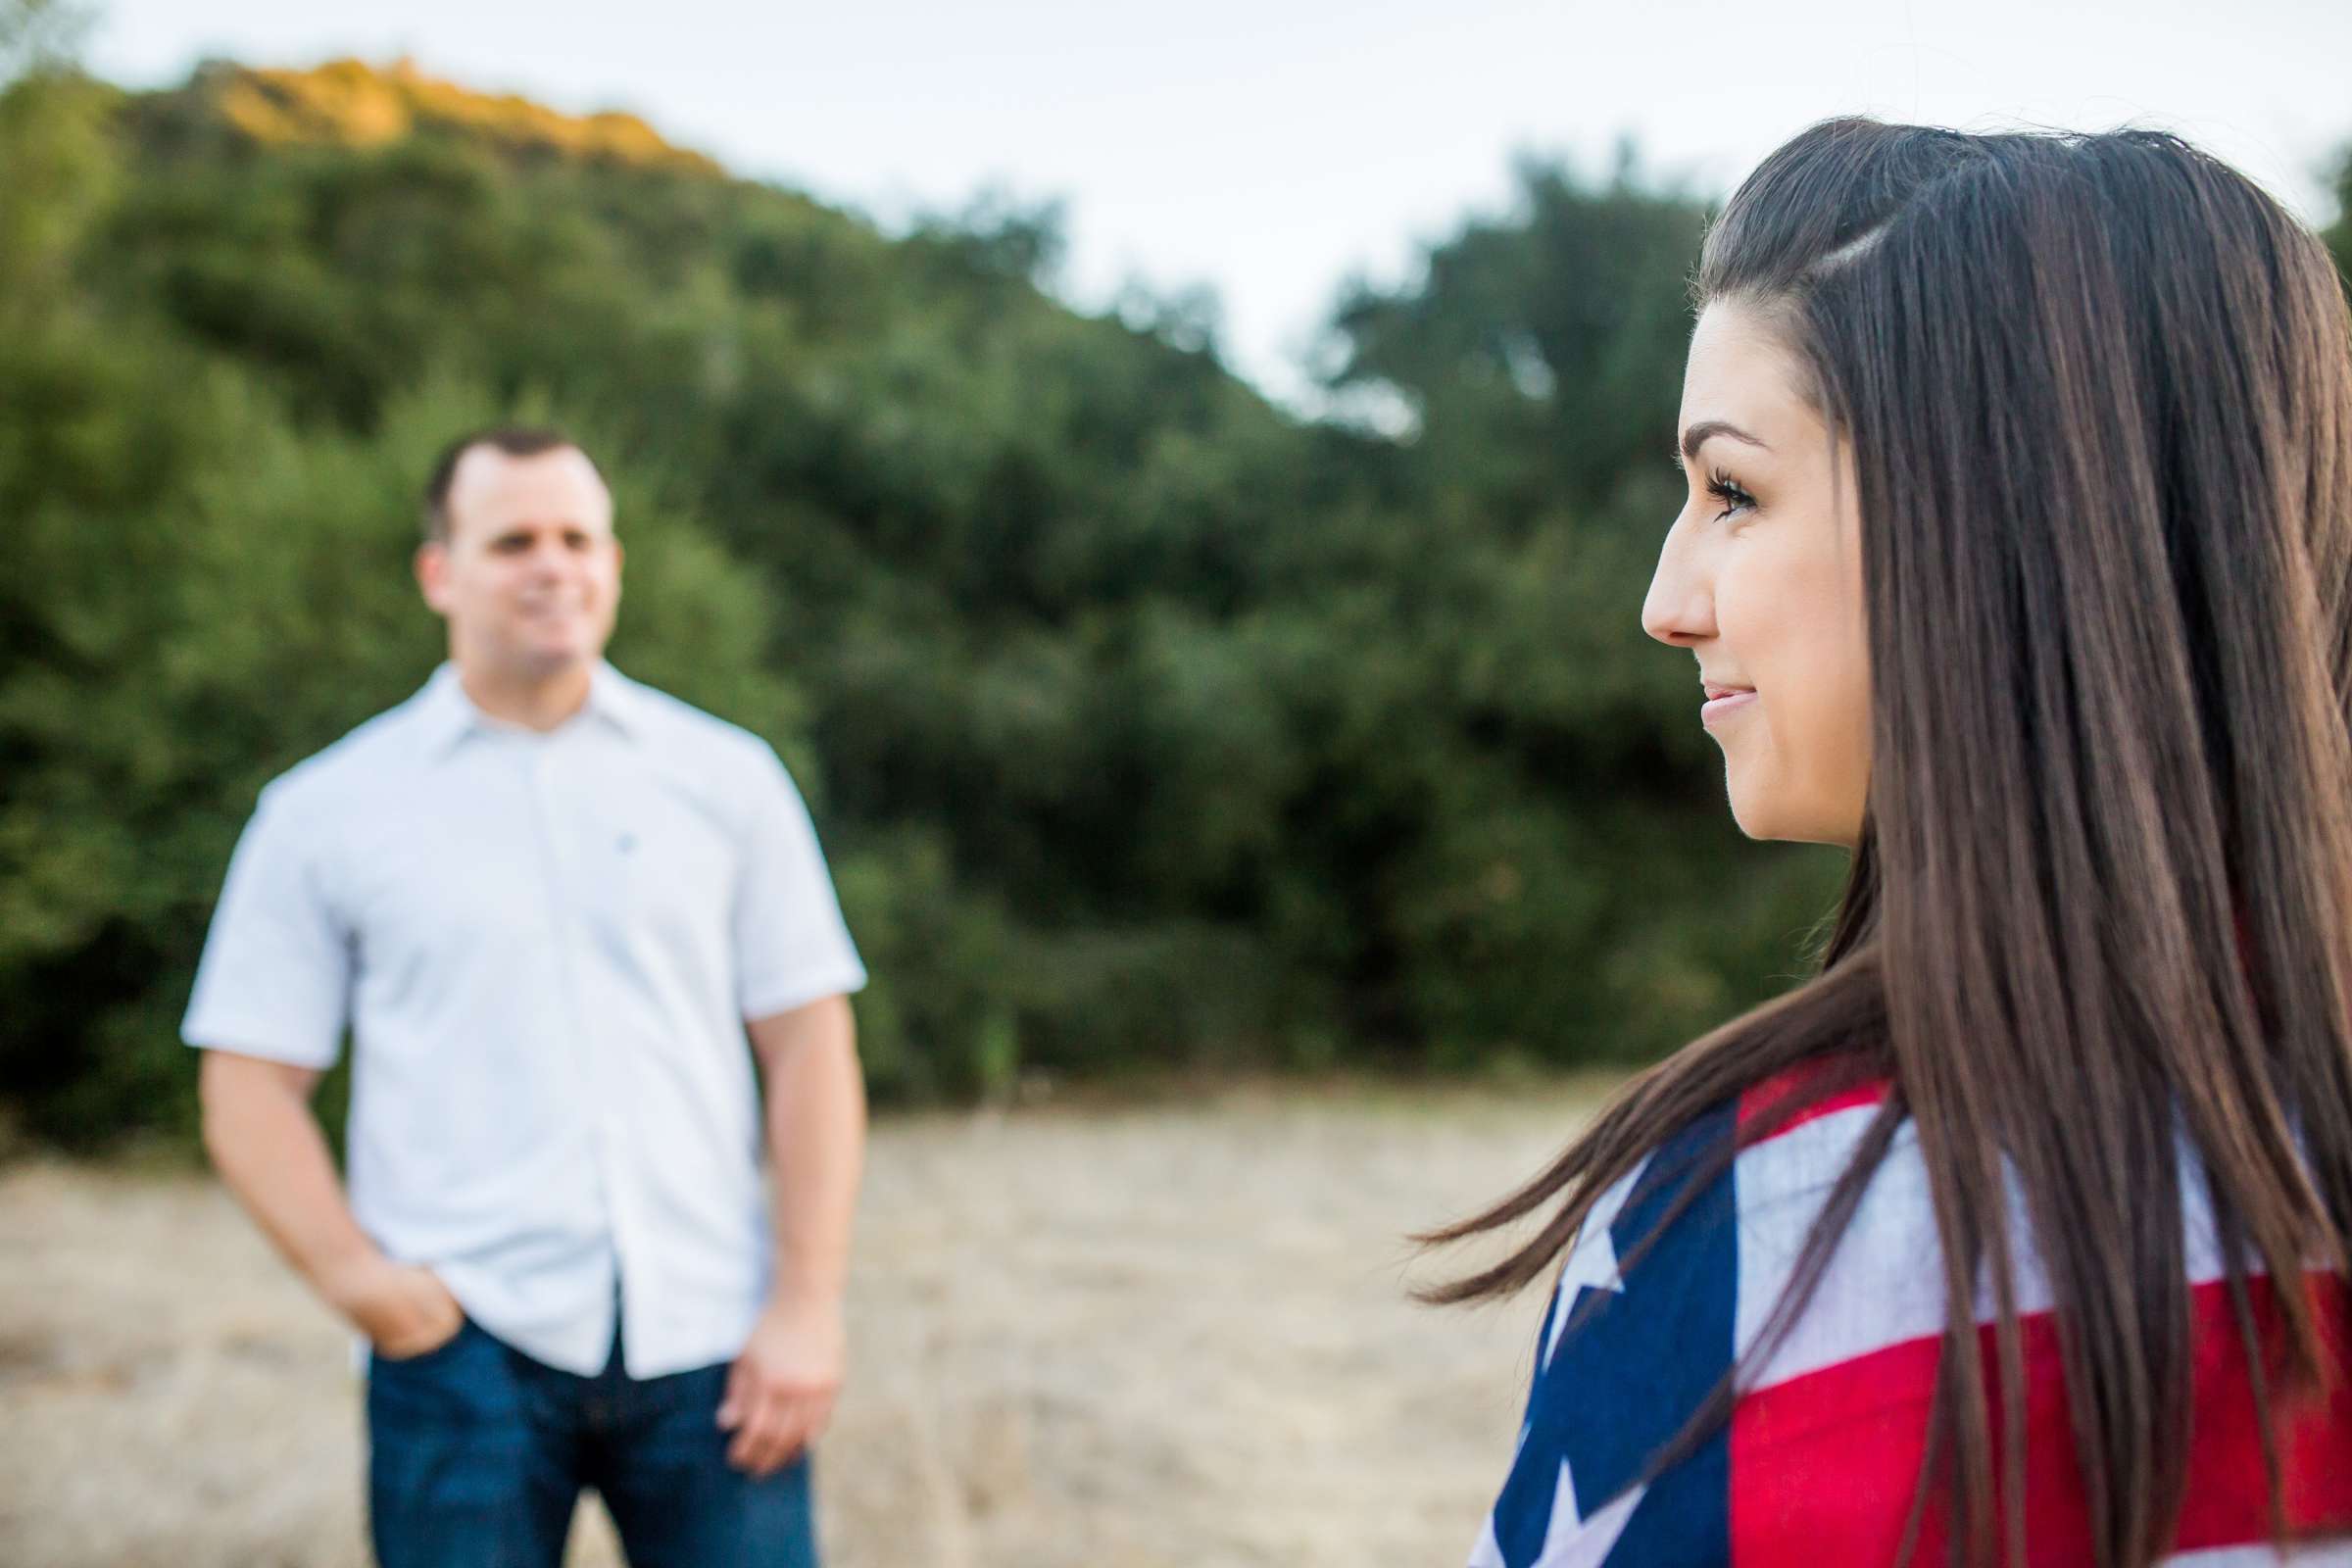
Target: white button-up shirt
(545, 947)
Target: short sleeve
(791, 944)
(275, 977)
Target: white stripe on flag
(1885, 1283)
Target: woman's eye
(1730, 494)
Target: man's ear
(433, 574)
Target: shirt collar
(448, 715)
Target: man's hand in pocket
(403, 1309)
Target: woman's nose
(1680, 609)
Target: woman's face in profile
(1761, 578)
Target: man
(551, 904)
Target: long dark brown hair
(2099, 390)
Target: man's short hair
(514, 440)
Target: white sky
(1270, 148)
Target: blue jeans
(477, 1455)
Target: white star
(1569, 1541)
(1575, 1541)
(1593, 1261)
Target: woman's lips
(1717, 709)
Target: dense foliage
(1146, 725)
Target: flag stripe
(1823, 1466)
(1885, 1283)
(1765, 1105)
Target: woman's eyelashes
(1729, 493)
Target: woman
(2018, 558)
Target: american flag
(1819, 1464)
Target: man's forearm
(815, 1117)
(267, 1147)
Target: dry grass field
(1121, 1338)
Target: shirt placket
(566, 895)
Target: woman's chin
(1775, 820)
(1751, 806)
(1752, 822)
(1761, 810)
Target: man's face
(529, 576)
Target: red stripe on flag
(1778, 1104)
(1823, 1466)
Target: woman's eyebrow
(1699, 434)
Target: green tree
(1146, 725)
